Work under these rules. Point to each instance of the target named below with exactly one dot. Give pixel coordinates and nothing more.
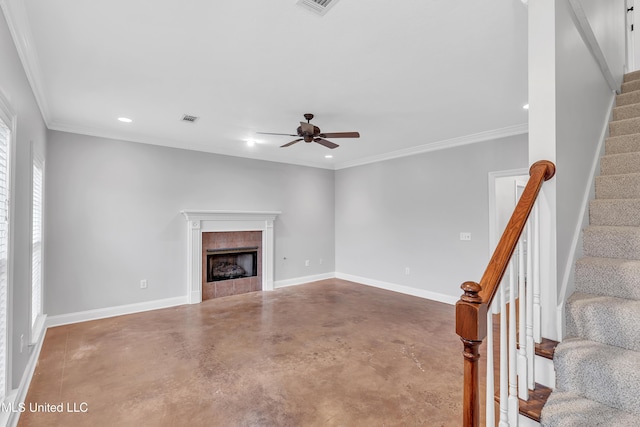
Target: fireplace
(232, 263)
(201, 224)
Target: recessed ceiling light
(525, 106)
(251, 142)
(328, 156)
(125, 119)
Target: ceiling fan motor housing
(308, 136)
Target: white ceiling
(408, 75)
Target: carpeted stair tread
(630, 86)
(625, 212)
(626, 111)
(623, 163)
(634, 75)
(599, 372)
(612, 241)
(628, 98)
(624, 127)
(594, 317)
(623, 186)
(608, 276)
(566, 409)
(622, 144)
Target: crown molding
(18, 23)
(440, 145)
(170, 143)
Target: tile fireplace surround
(199, 221)
(251, 278)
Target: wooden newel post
(471, 326)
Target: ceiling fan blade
(326, 143)
(291, 143)
(340, 135)
(307, 127)
(271, 133)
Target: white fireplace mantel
(199, 221)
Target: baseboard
(434, 296)
(18, 396)
(302, 280)
(101, 313)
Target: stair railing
(473, 324)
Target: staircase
(598, 363)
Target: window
(5, 151)
(37, 321)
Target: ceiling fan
(311, 133)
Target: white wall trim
(102, 313)
(440, 145)
(20, 394)
(583, 221)
(407, 290)
(303, 280)
(493, 223)
(20, 29)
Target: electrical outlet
(306, 263)
(465, 236)
(21, 343)
(320, 261)
(407, 271)
(143, 284)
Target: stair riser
(626, 111)
(612, 242)
(608, 277)
(620, 163)
(599, 373)
(630, 86)
(622, 144)
(594, 317)
(618, 186)
(624, 212)
(634, 75)
(566, 409)
(628, 98)
(624, 127)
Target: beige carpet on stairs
(598, 363)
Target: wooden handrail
(471, 309)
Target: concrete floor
(329, 353)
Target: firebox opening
(231, 263)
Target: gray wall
(409, 212)
(30, 128)
(583, 99)
(113, 217)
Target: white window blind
(5, 137)
(36, 250)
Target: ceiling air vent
(318, 6)
(189, 119)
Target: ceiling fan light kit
(308, 132)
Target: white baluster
(523, 391)
(531, 273)
(537, 309)
(513, 377)
(490, 416)
(504, 374)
